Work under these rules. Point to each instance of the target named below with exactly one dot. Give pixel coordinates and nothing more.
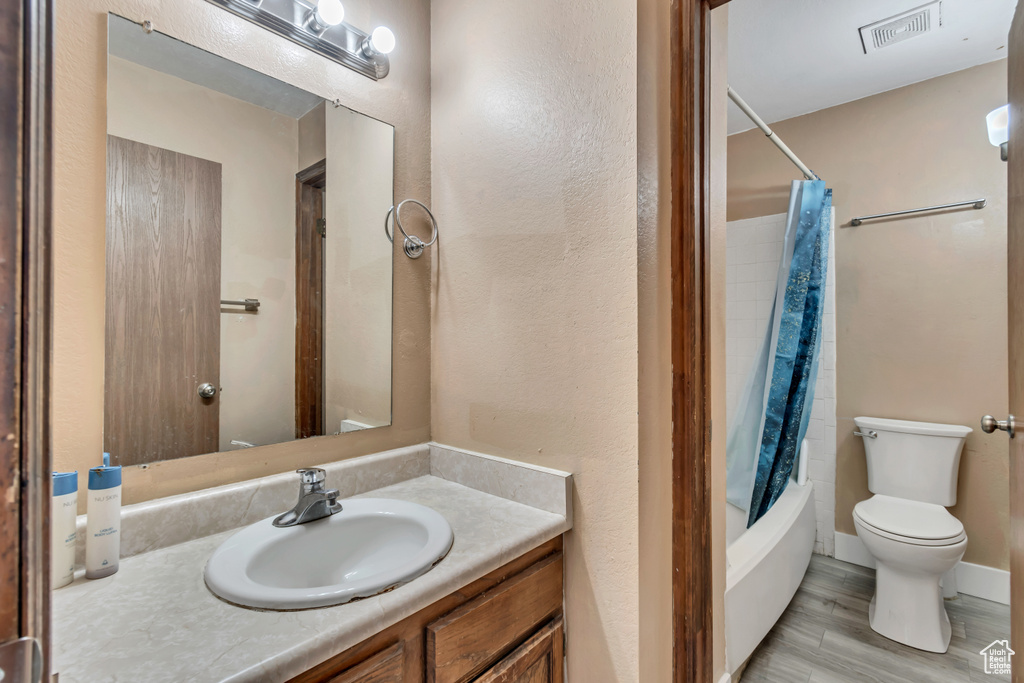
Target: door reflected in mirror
(248, 276)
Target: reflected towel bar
(976, 203)
(250, 304)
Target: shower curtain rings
(412, 245)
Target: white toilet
(912, 470)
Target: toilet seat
(909, 521)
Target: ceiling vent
(900, 27)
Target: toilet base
(907, 607)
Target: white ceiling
(792, 57)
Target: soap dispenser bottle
(62, 528)
(103, 523)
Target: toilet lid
(909, 518)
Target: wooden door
(163, 303)
(538, 660)
(310, 232)
(1015, 259)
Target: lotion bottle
(63, 515)
(103, 524)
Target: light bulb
(329, 13)
(382, 40)
(998, 121)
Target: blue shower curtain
(771, 419)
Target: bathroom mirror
(248, 275)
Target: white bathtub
(766, 564)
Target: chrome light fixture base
(290, 19)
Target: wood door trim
(315, 175)
(309, 304)
(26, 77)
(1015, 318)
(691, 448)
(36, 321)
(10, 219)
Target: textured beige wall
(654, 317)
(402, 99)
(921, 301)
(534, 110)
(256, 149)
(312, 137)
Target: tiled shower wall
(754, 248)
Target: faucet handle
(310, 476)
(332, 501)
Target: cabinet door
(538, 660)
(387, 666)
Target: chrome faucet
(314, 502)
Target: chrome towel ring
(412, 245)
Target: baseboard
(978, 580)
(850, 549)
(983, 582)
(726, 678)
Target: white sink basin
(371, 546)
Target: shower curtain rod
(808, 173)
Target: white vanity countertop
(155, 620)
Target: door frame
(26, 77)
(309, 329)
(691, 440)
(1015, 287)
(692, 597)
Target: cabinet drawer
(538, 660)
(465, 642)
(387, 666)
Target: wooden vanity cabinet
(538, 660)
(503, 628)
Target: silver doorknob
(207, 390)
(989, 424)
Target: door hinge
(21, 661)
(321, 226)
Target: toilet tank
(914, 460)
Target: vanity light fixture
(318, 25)
(326, 14)
(998, 122)
(380, 42)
